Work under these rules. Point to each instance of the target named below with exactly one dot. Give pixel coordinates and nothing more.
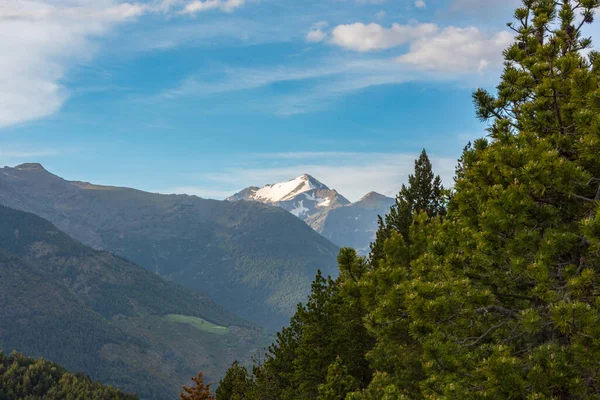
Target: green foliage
(236, 385)
(499, 298)
(424, 193)
(324, 337)
(25, 378)
(338, 384)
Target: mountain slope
(256, 260)
(303, 196)
(326, 211)
(353, 225)
(100, 314)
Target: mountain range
(325, 210)
(257, 261)
(100, 314)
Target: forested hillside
(486, 292)
(25, 378)
(102, 315)
(257, 261)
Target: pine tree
(327, 330)
(424, 193)
(200, 390)
(499, 300)
(236, 385)
(339, 383)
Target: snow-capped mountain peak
(287, 190)
(302, 196)
(324, 209)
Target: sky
(207, 97)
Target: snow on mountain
(288, 190)
(324, 209)
(302, 196)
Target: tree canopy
(25, 378)
(492, 292)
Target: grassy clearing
(198, 323)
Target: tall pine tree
(500, 300)
(424, 193)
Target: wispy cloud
(423, 52)
(13, 155)
(42, 40)
(205, 5)
(353, 174)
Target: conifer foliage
(497, 297)
(424, 193)
(25, 378)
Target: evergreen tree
(499, 300)
(236, 385)
(424, 193)
(200, 390)
(25, 378)
(339, 383)
(327, 330)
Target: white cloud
(322, 84)
(42, 40)
(205, 5)
(381, 14)
(458, 50)
(420, 4)
(316, 33)
(361, 37)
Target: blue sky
(209, 96)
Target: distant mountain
(325, 210)
(353, 225)
(258, 261)
(100, 314)
(303, 196)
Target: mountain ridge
(326, 211)
(255, 260)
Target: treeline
(25, 378)
(490, 290)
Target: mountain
(95, 312)
(353, 225)
(257, 261)
(303, 196)
(325, 210)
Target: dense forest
(25, 378)
(491, 289)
